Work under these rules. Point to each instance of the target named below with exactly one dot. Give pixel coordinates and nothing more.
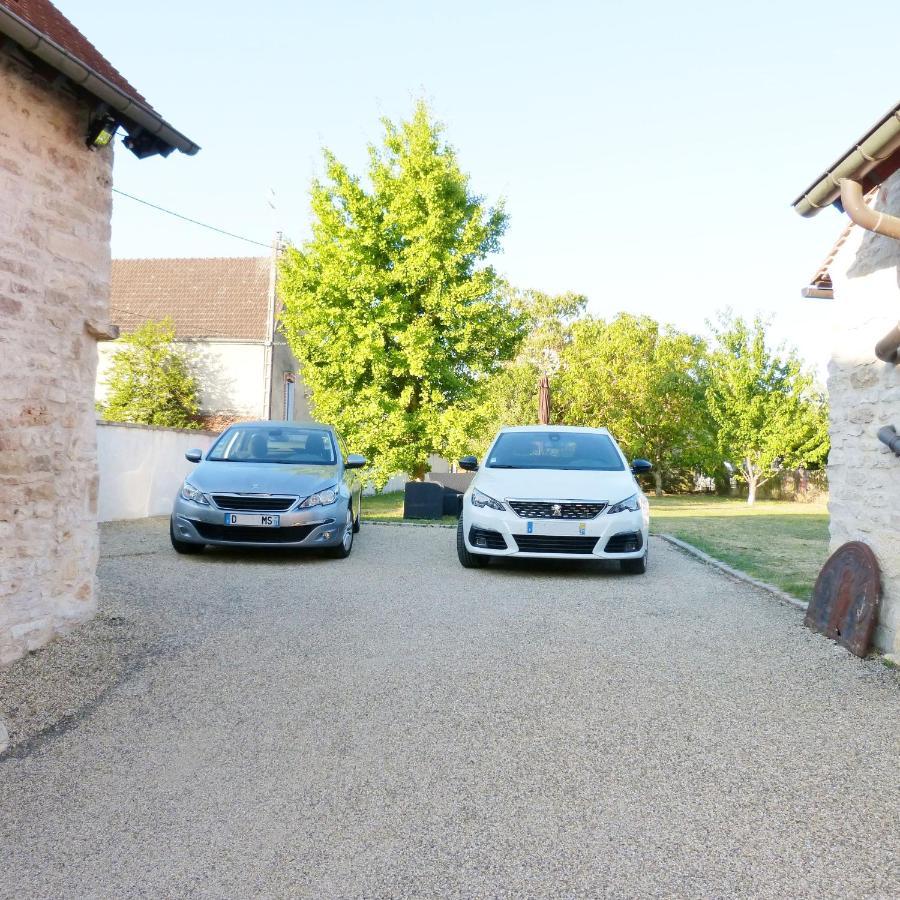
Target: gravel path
(393, 725)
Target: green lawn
(389, 508)
(782, 543)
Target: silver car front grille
(254, 502)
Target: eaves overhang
(872, 159)
(134, 116)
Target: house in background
(61, 103)
(862, 275)
(225, 314)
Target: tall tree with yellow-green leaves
(390, 307)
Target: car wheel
(342, 551)
(636, 566)
(357, 521)
(468, 559)
(183, 546)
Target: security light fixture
(102, 129)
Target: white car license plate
(259, 521)
(556, 527)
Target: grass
(782, 543)
(389, 508)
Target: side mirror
(194, 456)
(355, 461)
(469, 463)
(640, 466)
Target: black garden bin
(423, 500)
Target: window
(555, 450)
(273, 444)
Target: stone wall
(54, 276)
(863, 475)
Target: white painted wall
(230, 375)
(864, 395)
(142, 468)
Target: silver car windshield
(555, 450)
(309, 446)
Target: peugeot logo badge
(556, 509)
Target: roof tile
(206, 298)
(46, 18)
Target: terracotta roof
(206, 298)
(47, 19)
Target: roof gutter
(55, 56)
(869, 162)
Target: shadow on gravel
(555, 568)
(264, 556)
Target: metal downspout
(888, 348)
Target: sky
(647, 153)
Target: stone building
(862, 275)
(61, 102)
(225, 313)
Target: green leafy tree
(149, 381)
(644, 382)
(769, 415)
(510, 397)
(390, 307)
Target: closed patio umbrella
(544, 401)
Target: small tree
(646, 384)
(149, 382)
(510, 397)
(768, 414)
(390, 307)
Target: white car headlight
(629, 504)
(189, 492)
(320, 498)
(481, 500)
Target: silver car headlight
(189, 492)
(629, 504)
(320, 498)
(481, 500)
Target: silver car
(270, 484)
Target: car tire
(183, 546)
(357, 523)
(468, 559)
(636, 566)
(343, 550)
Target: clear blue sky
(647, 152)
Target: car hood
(261, 478)
(555, 484)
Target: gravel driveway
(393, 725)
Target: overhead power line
(188, 219)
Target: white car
(554, 492)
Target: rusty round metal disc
(846, 597)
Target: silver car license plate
(257, 521)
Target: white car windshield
(255, 444)
(555, 450)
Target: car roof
(274, 423)
(573, 428)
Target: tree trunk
(751, 490)
(658, 482)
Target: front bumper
(321, 526)
(555, 538)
